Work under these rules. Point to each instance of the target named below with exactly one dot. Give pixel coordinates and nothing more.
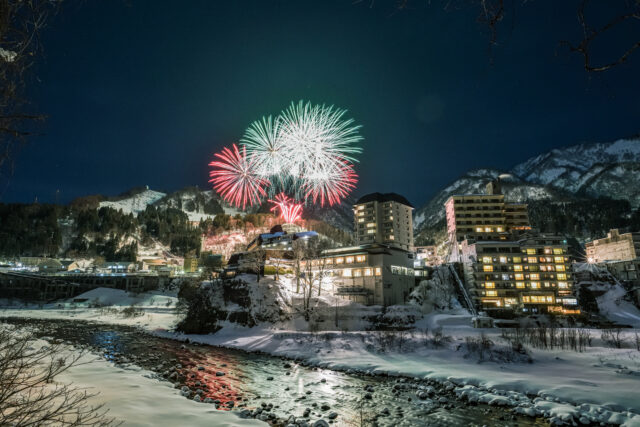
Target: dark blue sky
(144, 92)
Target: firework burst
(307, 151)
(331, 186)
(234, 177)
(265, 147)
(290, 211)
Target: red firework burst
(290, 211)
(333, 185)
(235, 179)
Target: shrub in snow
(242, 301)
(437, 293)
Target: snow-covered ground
(155, 310)
(598, 385)
(134, 397)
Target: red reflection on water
(224, 388)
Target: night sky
(144, 92)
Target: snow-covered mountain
(196, 203)
(597, 169)
(585, 170)
(134, 203)
(203, 204)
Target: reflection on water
(236, 380)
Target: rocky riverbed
(280, 392)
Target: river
(237, 380)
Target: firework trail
(234, 177)
(290, 211)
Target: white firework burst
(265, 147)
(307, 151)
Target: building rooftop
(383, 197)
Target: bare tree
(313, 273)
(277, 257)
(254, 261)
(29, 395)
(21, 22)
(493, 14)
(590, 34)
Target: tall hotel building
(385, 219)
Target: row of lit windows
(547, 251)
(530, 299)
(346, 260)
(403, 271)
(532, 285)
(361, 272)
(517, 260)
(489, 229)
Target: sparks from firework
(265, 146)
(234, 177)
(331, 186)
(307, 150)
(290, 211)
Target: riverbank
(598, 385)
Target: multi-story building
(384, 219)
(614, 247)
(370, 275)
(484, 217)
(529, 275)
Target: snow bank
(135, 398)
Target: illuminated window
(350, 259)
(517, 268)
(558, 259)
(535, 276)
(329, 261)
(368, 272)
(520, 285)
(510, 301)
(517, 260)
(562, 285)
(486, 259)
(487, 267)
(558, 251)
(361, 258)
(371, 231)
(532, 260)
(378, 271)
(547, 250)
(391, 218)
(346, 272)
(503, 259)
(391, 237)
(560, 267)
(519, 276)
(499, 230)
(479, 229)
(357, 272)
(371, 225)
(531, 251)
(489, 285)
(492, 293)
(488, 229)
(526, 298)
(360, 219)
(535, 285)
(339, 260)
(562, 276)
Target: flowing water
(237, 380)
